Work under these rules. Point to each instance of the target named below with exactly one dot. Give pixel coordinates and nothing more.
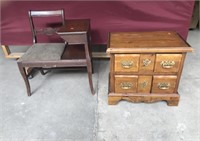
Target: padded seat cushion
(43, 52)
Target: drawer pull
(126, 85)
(127, 64)
(143, 84)
(146, 62)
(163, 86)
(167, 64)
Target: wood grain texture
(164, 84)
(144, 84)
(146, 63)
(127, 63)
(166, 59)
(171, 99)
(126, 83)
(159, 39)
(152, 60)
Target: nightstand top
(135, 42)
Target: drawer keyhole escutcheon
(143, 84)
(146, 62)
(167, 64)
(126, 85)
(163, 86)
(126, 64)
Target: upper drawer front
(168, 62)
(126, 62)
(147, 62)
(164, 84)
(126, 83)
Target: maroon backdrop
(106, 16)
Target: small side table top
(75, 26)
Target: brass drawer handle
(167, 64)
(163, 86)
(126, 85)
(126, 64)
(146, 62)
(143, 84)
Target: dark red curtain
(106, 16)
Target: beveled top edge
(150, 50)
(161, 39)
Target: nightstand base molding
(171, 99)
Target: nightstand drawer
(164, 84)
(147, 62)
(126, 62)
(168, 62)
(126, 83)
(144, 84)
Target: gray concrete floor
(63, 109)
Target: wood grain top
(74, 26)
(160, 41)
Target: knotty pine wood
(155, 46)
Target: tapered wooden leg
(89, 68)
(25, 77)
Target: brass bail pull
(126, 64)
(167, 64)
(164, 86)
(126, 85)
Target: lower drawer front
(144, 84)
(164, 84)
(126, 83)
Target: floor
(63, 109)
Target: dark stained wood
(78, 32)
(76, 25)
(74, 52)
(77, 52)
(156, 69)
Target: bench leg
(89, 67)
(25, 77)
(89, 70)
